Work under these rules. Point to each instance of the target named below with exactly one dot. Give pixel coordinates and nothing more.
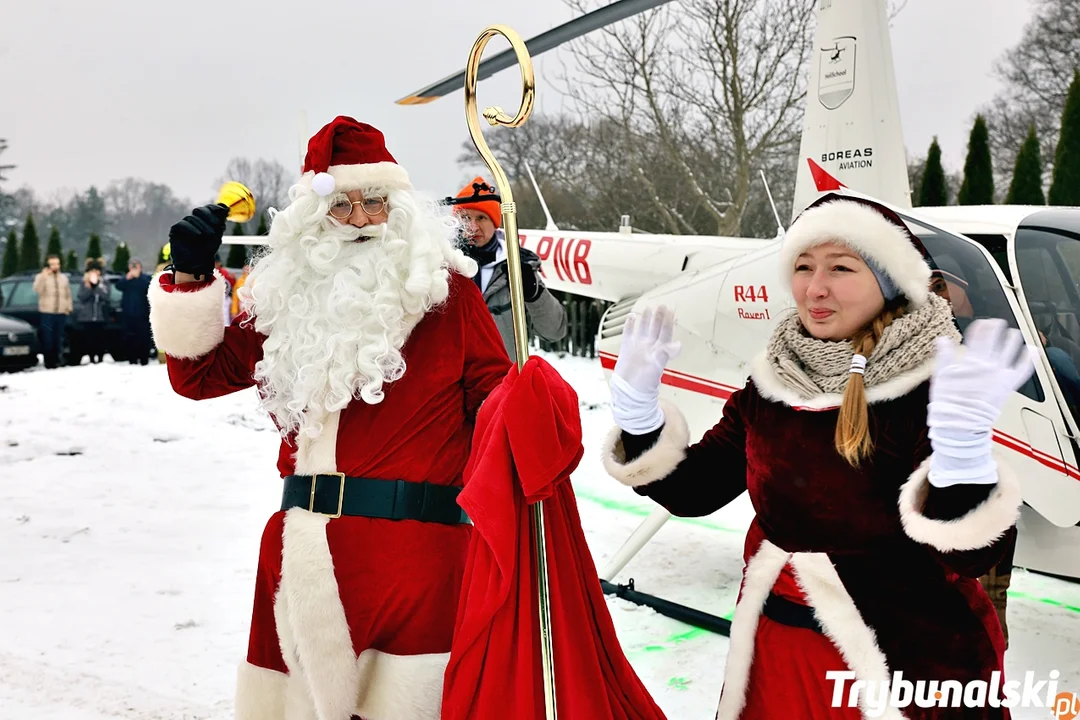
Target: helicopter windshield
(1048, 261)
(963, 275)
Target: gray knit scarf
(811, 367)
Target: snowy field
(129, 528)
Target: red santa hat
(870, 229)
(349, 155)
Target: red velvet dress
(354, 607)
(888, 564)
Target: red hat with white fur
(349, 155)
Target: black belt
(335, 495)
(790, 613)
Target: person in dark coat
(135, 313)
(93, 311)
(864, 437)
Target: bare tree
(697, 98)
(4, 168)
(1036, 74)
(268, 180)
(140, 214)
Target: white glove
(967, 394)
(635, 385)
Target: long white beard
(336, 313)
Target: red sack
(526, 444)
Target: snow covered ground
(129, 526)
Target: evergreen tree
(1065, 185)
(30, 252)
(933, 191)
(120, 262)
(262, 231)
(978, 185)
(54, 244)
(237, 257)
(93, 250)
(71, 263)
(11, 254)
(1026, 187)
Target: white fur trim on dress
(842, 623)
(187, 324)
(383, 175)
(770, 387)
(327, 681)
(308, 603)
(868, 233)
(758, 580)
(979, 528)
(656, 463)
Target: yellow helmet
(166, 251)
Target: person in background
(486, 244)
(230, 284)
(948, 281)
(54, 304)
(135, 313)
(235, 309)
(166, 255)
(93, 311)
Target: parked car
(18, 344)
(20, 301)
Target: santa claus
(372, 350)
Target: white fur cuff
(187, 324)
(979, 528)
(656, 463)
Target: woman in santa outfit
(864, 438)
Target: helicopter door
(1032, 433)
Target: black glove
(195, 240)
(531, 287)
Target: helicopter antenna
(551, 226)
(779, 225)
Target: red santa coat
(888, 563)
(352, 615)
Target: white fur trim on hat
(868, 233)
(388, 175)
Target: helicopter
(1021, 264)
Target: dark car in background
(18, 344)
(20, 301)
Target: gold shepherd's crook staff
(496, 116)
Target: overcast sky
(170, 91)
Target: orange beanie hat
(491, 208)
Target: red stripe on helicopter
(682, 381)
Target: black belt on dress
(335, 495)
(792, 614)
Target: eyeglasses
(341, 206)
